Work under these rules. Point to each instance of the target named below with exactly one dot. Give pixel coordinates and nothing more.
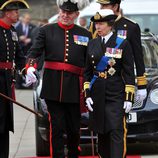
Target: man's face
(83, 21)
(102, 28)
(67, 18)
(12, 15)
(113, 7)
(26, 19)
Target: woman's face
(102, 28)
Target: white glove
(141, 94)
(127, 106)
(30, 76)
(89, 102)
(28, 82)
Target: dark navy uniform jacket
(134, 38)
(131, 31)
(9, 53)
(65, 45)
(109, 94)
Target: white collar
(107, 36)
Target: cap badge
(97, 16)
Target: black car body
(142, 121)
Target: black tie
(103, 40)
(103, 44)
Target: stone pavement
(22, 142)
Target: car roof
(139, 6)
(128, 7)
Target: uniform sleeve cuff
(129, 90)
(86, 89)
(141, 81)
(31, 63)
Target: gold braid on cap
(103, 1)
(11, 1)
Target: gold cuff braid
(141, 80)
(86, 85)
(130, 90)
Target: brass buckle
(103, 74)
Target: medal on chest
(113, 54)
(14, 36)
(81, 40)
(122, 34)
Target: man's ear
(77, 13)
(116, 8)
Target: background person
(64, 45)
(83, 22)
(24, 30)
(129, 30)
(10, 54)
(109, 86)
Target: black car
(142, 120)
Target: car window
(145, 22)
(150, 51)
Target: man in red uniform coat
(64, 45)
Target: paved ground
(23, 140)
(22, 143)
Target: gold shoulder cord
(94, 33)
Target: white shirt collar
(107, 36)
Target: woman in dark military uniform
(109, 86)
(10, 57)
(64, 45)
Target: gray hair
(2, 14)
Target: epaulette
(130, 20)
(118, 18)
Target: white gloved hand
(28, 82)
(89, 102)
(141, 94)
(30, 74)
(127, 106)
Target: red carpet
(87, 157)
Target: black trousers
(65, 118)
(4, 145)
(112, 144)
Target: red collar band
(65, 26)
(4, 25)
